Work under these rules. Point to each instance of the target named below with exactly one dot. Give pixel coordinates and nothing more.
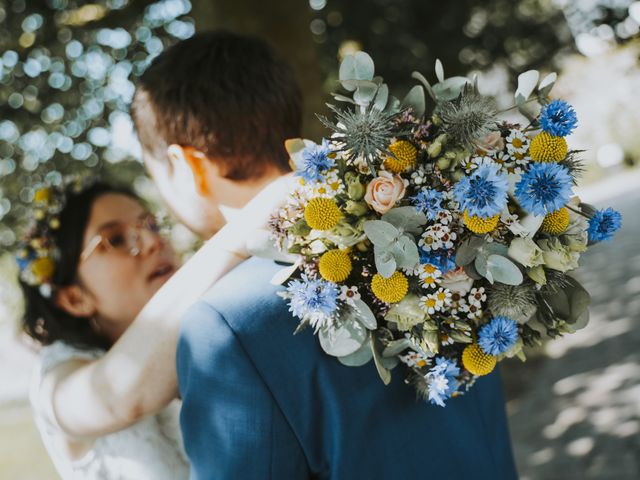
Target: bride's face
(124, 261)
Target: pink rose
(384, 191)
(457, 281)
(492, 143)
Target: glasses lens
(120, 237)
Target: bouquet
(432, 235)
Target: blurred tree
(407, 35)
(66, 80)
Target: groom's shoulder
(246, 298)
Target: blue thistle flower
(442, 382)
(498, 336)
(544, 188)
(428, 201)
(603, 224)
(315, 161)
(484, 192)
(440, 259)
(314, 298)
(558, 118)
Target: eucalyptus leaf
(393, 105)
(415, 99)
(356, 67)
(406, 218)
(528, 112)
(408, 256)
(425, 83)
(380, 233)
(396, 347)
(504, 270)
(358, 358)
(546, 84)
(384, 373)
(358, 84)
(364, 66)
(481, 264)
(364, 95)
(380, 102)
(439, 70)
(527, 82)
(468, 250)
(385, 262)
(495, 248)
(559, 304)
(342, 98)
(347, 70)
(449, 89)
(389, 362)
(579, 299)
(581, 322)
(342, 340)
(365, 315)
(471, 271)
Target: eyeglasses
(122, 237)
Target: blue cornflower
(544, 188)
(315, 161)
(428, 201)
(440, 259)
(603, 224)
(558, 118)
(484, 192)
(442, 382)
(498, 336)
(312, 299)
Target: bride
(88, 267)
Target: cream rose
(384, 191)
(492, 143)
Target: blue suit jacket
(261, 403)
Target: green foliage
(393, 242)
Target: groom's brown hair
(229, 96)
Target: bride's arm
(137, 376)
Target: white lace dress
(151, 449)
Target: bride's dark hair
(43, 320)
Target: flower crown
(37, 252)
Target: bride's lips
(161, 271)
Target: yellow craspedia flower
(322, 213)
(392, 289)
(547, 148)
(476, 361)
(42, 195)
(335, 266)
(480, 225)
(557, 222)
(42, 268)
(405, 156)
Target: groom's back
(260, 402)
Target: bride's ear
(75, 301)
(197, 162)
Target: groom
(212, 113)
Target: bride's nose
(148, 241)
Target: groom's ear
(199, 164)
